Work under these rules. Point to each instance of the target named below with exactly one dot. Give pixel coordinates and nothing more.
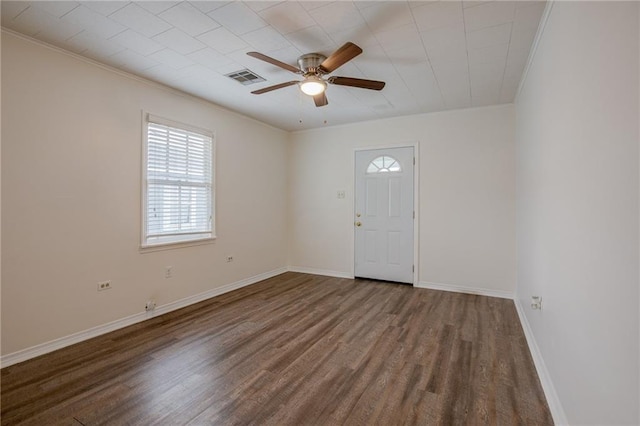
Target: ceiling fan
(313, 67)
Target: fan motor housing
(310, 63)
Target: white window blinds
(178, 183)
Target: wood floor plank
(296, 349)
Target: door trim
(416, 203)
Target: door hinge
(414, 161)
(414, 214)
(413, 268)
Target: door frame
(416, 202)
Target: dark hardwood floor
(296, 349)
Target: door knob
(358, 224)
(357, 214)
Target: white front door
(384, 214)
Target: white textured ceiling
(433, 55)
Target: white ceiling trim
(534, 46)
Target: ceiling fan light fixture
(313, 85)
(314, 67)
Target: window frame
(179, 240)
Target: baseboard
(324, 272)
(557, 412)
(468, 290)
(74, 338)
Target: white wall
(71, 197)
(0, 188)
(467, 195)
(577, 207)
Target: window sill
(176, 245)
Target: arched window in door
(384, 164)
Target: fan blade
(357, 82)
(340, 57)
(321, 99)
(274, 62)
(275, 87)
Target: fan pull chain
(300, 105)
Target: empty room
(320, 213)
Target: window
(177, 183)
(384, 164)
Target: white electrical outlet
(104, 285)
(536, 302)
(150, 306)
(168, 272)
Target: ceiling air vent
(245, 77)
